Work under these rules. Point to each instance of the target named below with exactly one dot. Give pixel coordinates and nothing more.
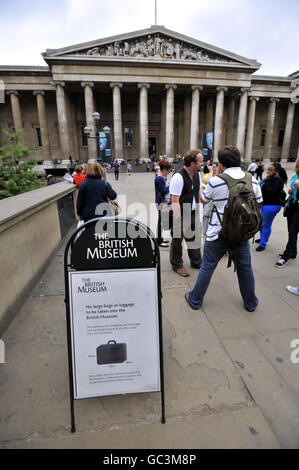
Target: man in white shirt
(217, 191)
(184, 189)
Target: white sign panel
(115, 332)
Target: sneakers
(280, 263)
(182, 272)
(188, 301)
(164, 245)
(294, 290)
(260, 248)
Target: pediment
(156, 44)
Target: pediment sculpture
(155, 47)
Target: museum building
(157, 91)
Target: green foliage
(16, 175)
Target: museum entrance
(152, 146)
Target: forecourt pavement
(229, 378)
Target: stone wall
(32, 226)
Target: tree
(16, 167)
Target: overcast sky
(265, 30)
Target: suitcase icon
(111, 353)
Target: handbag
(113, 205)
(79, 224)
(68, 177)
(283, 196)
(166, 212)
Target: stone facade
(158, 91)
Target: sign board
(115, 333)
(114, 313)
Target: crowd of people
(212, 192)
(180, 198)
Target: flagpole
(155, 12)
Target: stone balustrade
(32, 226)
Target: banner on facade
(207, 145)
(105, 147)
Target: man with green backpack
(235, 219)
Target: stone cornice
(271, 78)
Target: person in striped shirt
(217, 191)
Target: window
(128, 137)
(84, 140)
(38, 137)
(263, 137)
(280, 137)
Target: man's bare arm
(175, 202)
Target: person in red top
(78, 177)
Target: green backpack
(242, 217)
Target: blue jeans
(213, 252)
(268, 213)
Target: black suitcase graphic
(111, 353)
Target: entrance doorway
(152, 146)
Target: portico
(153, 85)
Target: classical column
(218, 131)
(162, 142)
(242, 120)
(62, 120)
(187, 122)
(230, 133)
(43, 123)
(250, 127)
(170, 120)
(16, 109)
(117, 119)
(143, 118)
(210, 113)
(285, 153)
(194, 130)
(270, 127)
(89, 110)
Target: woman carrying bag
(162, 197)
(93, 192)
(273, 200)
(292, 214)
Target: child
(78, 177)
